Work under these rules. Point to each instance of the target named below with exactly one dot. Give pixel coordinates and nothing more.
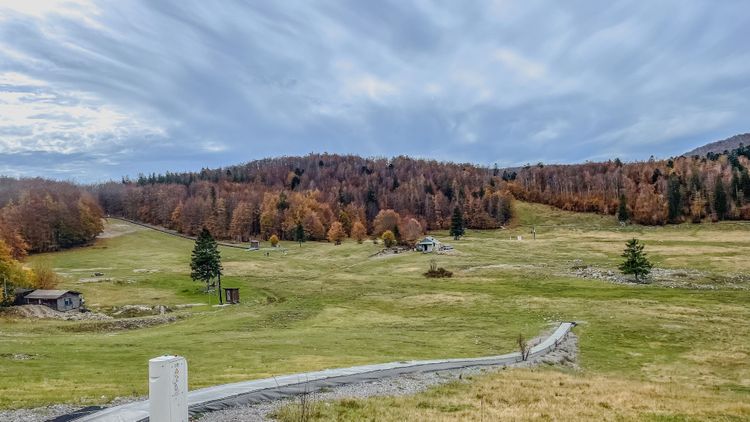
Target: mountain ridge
(718, 147)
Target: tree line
(654, 192)
(38, 215)
(316, 197)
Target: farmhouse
(428, 244)
(60, 300)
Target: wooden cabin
(59, 300)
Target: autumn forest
(364, 197)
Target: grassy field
(322, 306)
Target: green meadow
(321, 306)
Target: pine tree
(674, 199)
(299, 234)
(205, 263)
(745, 184)
(636, 262)
(457, 224)
(622, 209)
(720, 199)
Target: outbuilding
(428, 244)
(59, 300)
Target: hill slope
(720, 146)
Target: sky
(95, 90)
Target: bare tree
(523, 347)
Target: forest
(39, 215)
(301, 198)
(654, 192)
(280, 195)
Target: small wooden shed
(254, 245)
(232, 295)
(60, 300)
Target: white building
(428, 244)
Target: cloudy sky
(94, 90)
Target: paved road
(255, 391)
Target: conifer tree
(622, 209)
(457, 223)
(636, 262)
(720, 199)
(299, 234)
(205, 263)
(674, 199)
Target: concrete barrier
(256, 391)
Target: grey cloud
(214, 84)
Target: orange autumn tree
(336, 233)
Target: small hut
(428, 244)
(232, 295)
(254, 245)
(59, 300)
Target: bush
(44, 276)
(274, 240)
(437, 272)
(389, 239)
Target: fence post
(167, 389)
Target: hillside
(326, 306)
(275, 196)
(719, 147)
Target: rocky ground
(675, 278)
(44, 312)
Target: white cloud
(80, 10)
(43, 119)
(520, 65)
(369, 86)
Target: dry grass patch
(531, 395)
(432, 299)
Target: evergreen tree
(745, 184)
(735, 188)
(720, 199)
(674, 199)
(457, 223)
(622, 209)
(299, 234)
(205, 263)
(636, 262)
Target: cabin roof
(48, 294)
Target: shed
(254, 245)
(232, 295)
(20, 295)
(60, 300)
(428, 244)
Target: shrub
(274, 240)
(437, 272)
(389, 239)
(44, 276)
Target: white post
(167, 389)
